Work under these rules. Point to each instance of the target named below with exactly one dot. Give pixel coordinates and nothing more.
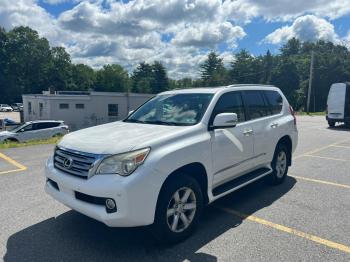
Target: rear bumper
(343, 119)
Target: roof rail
(234, 85)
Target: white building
(79, 109)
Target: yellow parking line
(289, 230)
(341, 146)
(19, 166)
(321, 181)
(330, 158)
(321, 148)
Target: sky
(179, 33)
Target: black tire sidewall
(160, 228)
(274, 179)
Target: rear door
(347, 103)
(336, 101)
(232, 148)
(262, 123)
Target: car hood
(5, 133)
(118, 137)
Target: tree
(285, 76)
(292, 47)
(246, 69)
(213, 72)
(28, 60)
(159, 81)
(150, 78)
(83, 77)
(60, 70)
(141, 78)
(112, 78)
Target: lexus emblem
(68, 162)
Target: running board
(241, 181)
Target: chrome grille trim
(82, 163)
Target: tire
(8, 140)
(331, 124)
(165, 228)
(279, 164)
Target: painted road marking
(341, 146)
(19, 166)
(289, 230)
(321, 148)
(329, 158)
(321, 181)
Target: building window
(64, 106)
(79, 106)
(112, 110)
(41, 107)
(29, 107)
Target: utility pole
(310, 82)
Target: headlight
(123, 164)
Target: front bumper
(135, 196)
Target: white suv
(179, 151)
(35, 130)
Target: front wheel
(331, 124)
(279, 164)
(179, 206)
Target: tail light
(292, 112)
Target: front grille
(73, 163)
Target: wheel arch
(197, 171)
(287, 141)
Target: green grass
(10, 144)
(301, 113)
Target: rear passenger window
(255, 103)
(274, 100)
(46, 125)
(230, 103)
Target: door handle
(274, 125)
(248, 132)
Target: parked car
(35, 130)
(17, 107)
(338, 104)
(179, 151)
(8, 123)
(5, 108)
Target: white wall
(95, 110)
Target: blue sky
(178, 33)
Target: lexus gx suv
(176, 153)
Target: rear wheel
(179, 206)
(331, 124)
(279, 164)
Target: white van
(338, 104)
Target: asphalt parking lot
(307, 218)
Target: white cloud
(305, 28)
(288, 10)
(209, 35)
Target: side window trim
(211, 118)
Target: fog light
(110, 205)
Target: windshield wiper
(135, 121)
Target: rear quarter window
(274, 100)
(254, 101)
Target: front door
(232, 148)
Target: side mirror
(225, 120)
(130, 112)
(22, 130)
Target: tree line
(28, 64)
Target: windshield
(16, 129)
(172, 109)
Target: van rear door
(336, 101)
